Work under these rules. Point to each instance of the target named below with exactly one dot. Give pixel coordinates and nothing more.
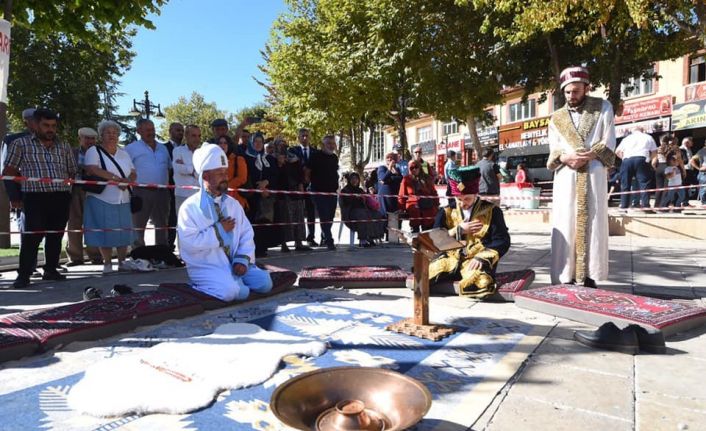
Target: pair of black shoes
(90, 293)
(630, 339)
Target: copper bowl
(348, 398)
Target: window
(449, 128)
(523, 111)
(378, 146)
(697, 69)
(423, 134)
(639, 85)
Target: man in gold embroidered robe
(482, 226)
(581, 144)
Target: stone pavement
(563, 385)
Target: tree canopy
(195, 110)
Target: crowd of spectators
(278, 174)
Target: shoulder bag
(135, 201)
(94, 188)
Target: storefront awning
(690, 115)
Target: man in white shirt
(184, 173)
(216, 240)
(637, 151)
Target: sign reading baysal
(690, 115)
(528, 133)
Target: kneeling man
(215, 237)
(482, 226)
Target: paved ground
(563, 385)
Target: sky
(208, 46)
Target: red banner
(645, 109)
(695, 92)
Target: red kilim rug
(315, 277)
(509, 283)
(16, 343)
(598, 306)
(90, 320)
(282, 280)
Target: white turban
(208, 157)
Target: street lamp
(146, 107)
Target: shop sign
(428, 147)
(695, 92)
(529, 133)
(690, 115)
(655, 125)
(645, 109)
(488, 137)
(455, 145)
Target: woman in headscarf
(237, 169)
(415, 188)
(365, 207)
(389, 179)
(262, 174)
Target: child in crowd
(673, 174)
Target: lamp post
(403, 107)
(146, 108)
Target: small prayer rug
(282, 280)
(598, 306)
(464, 372)
(91, 320)
(509, 283)
(352, 277)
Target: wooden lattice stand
(425, 245)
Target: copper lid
(349, 415)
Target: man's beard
(222, 186)
(576, 103)
(48, 136)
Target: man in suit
(176, 135)
(304, 151)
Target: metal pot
(348, 398)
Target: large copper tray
(307, 401)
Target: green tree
(66, 75)
(196, 110)
(269, 123)
(615, 39)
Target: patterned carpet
(463, 372)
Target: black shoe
(589, 282)
(285, 249)
(53, 275)
(649, 342)
(36, 274)
(97, 261)
(75, 263)
(610, 337)
(312, 243)
(121, 289)
(20, 283)
(90, 293)
(302, 248)
(330, 245)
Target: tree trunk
(475, 140)
(354, 148)
(556, 67)
(402, 130)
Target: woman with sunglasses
(418, 197)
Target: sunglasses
(416, 168)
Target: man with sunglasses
(417, 157)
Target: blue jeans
(255, 279)
(634, 167)
(702, 189)
(668, 197)
(326, 207)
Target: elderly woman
(413, 198)
(262, 173)
(389, 179)
(109, 209)
(365, 207)
(237, 169)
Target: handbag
(94, 188)
(135, 201)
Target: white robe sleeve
(196, 232)
(555, 148)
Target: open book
(437, 240)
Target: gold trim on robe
(474, 283)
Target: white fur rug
(182, 376)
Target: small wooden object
(426, 245)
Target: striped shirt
(33, 159)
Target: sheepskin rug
(181, 376)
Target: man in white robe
(581, 144)
(215, 237)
